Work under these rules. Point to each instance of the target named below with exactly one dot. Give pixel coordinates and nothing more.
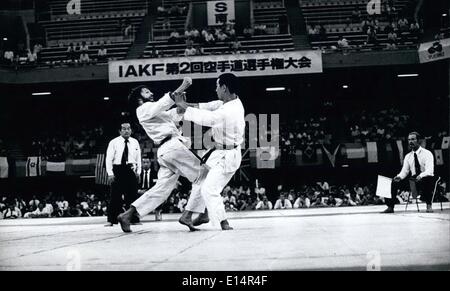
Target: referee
(123, 164)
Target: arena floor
(349, 238)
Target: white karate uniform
(227, 122)
(174, 156)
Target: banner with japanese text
(202, 67)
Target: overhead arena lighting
(345, 86)
(271, 89)
(407, 75)
(41, 93)
(5, 38)
(445, 14)
(106, 98)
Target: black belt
(166, 139)
(217, 147)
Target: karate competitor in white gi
(227, 121)
(174, 156)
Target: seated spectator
(40, 212)
(209, 39)
(161, 11)
(189, 42)
(189, 51)
(71, 52)
(371, 36)
(37, 48)
(181, 9)
(12, 212)
(392, 40)
(199, 50)
(31, 57)
(231, 32)
(102, 54)
(264, 204)
(33, 204)
(154, 53)
(84, 47)
(173, 11)
(260, 29)
(282, 203)
(174, 37)
(236, 46)
(302, 202)
(343, 43)
(182, 202)
(414, 28)
(128, 30)
(230, 206)
(63, 206)
(221, 36)
(9, 57)
(248, 32)
(403, 24)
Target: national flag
(101, 176)
(4, 167)
(331, 156)
(265, 157)
(445, 142)
(439, 159)
(372, 152)
(400, 151)
(56, 166)
(309, 154)
(80, 167)
(33, 167)
(354, 151)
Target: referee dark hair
(123, 164)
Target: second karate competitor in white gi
(174, 156)
(226, 117)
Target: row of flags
(346, 154)
(260, 158)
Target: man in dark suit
(146, 182)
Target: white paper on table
(384, 187)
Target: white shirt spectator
(102, 52)
(15, 213)
(115, 151)
(426, 161)
(48, 208)
(209, 37)
(9, 55)
(33, 203)
(264, 205)
(221, 36)
(31, 56)
(343, 42)
(181, 204)
(280, 205)
(190, 51)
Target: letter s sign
(221, 7)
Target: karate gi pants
(174, 159)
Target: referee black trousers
(425, 188)
(125, 183)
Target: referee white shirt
(426, 162)
(115, 151)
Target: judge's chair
(415, 194)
